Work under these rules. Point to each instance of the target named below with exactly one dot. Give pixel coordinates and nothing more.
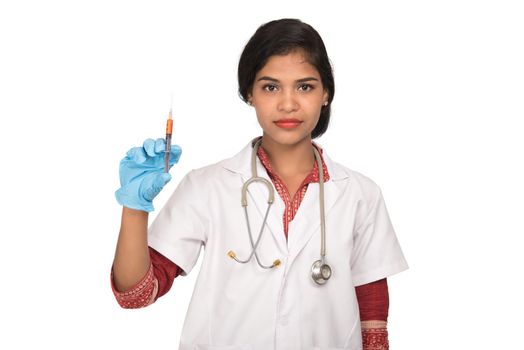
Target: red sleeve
(157, 281)
(165, 271)
(141, 295)
(373, 300)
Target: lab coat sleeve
(376, 252)
(179, 230)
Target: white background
(428, 104)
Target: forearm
(132, 260)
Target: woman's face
(288, 95)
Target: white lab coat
(242, 306)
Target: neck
(290, 160)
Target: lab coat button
(284, 320)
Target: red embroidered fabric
(375, 339)
(157, 282)
(292, 204)
(140, 295)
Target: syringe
(169, 131)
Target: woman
(274, 298)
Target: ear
(325, 97)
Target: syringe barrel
(167, 153)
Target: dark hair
(281, 37)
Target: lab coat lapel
(257, 199)
(306, 222)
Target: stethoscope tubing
(320, 271)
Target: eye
(305, 87)
(270, 87)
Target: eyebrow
(277, 81)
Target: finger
(175, 154)
(160, 146)
(137, 155)
(149, 147)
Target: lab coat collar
(307, 220)
(241, 164)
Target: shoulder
(209, 176)
(210, 171)
(361, 190)
(360, 185)
(206, 172)
(361, 181)
(225, 168)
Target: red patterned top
(292, 204)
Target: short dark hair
(281, 37)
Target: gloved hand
(142, 174)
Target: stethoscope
(320, 271)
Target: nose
(288, 102)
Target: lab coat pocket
(223, 347)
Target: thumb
(161, 180)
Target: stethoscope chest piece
(320, 272)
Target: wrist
(373, 324)
(138, 213)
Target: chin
(287, 138)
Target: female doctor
(297, 246)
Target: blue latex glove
(142, 174)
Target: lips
(288, 123)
